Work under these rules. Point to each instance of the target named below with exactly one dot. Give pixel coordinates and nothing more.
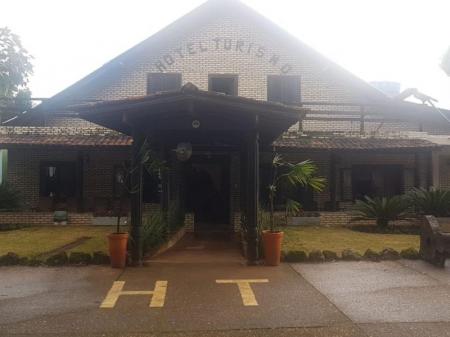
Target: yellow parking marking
(158, 295)
(245, 289)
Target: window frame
(179, 84)
(235, 78)
(299, 94)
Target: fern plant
(430, 202)
(382, 210)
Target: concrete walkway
(209, 299)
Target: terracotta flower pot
(118, 249)
(272, 247)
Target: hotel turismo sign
(222, 45)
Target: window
(158, 82)
(284, 89)
(377, 180)
(225, 84)
(58, 179)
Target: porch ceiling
(177, 110)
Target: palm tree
(299, 174)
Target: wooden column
(136, 201)
(252, 183)
(332, 182)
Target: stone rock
(330, 255)
(80, 258)
(296, 256)
(100, 258)
(390, 254)
(9, 259)
(57, 259)
(316, 256)
(350, 255)
(410, 254)
(372, 255)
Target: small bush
(350, 255)
(330, 255)
(80, 258)
(154, 231)
(372, 255)
(9, 198)
(9, 259)
(432, 202)
(100, 258)
(296, 256)
(390, 254)
(57, 259)
(316, 256)
(410, 254)
(33, 262)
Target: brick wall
(42, 218)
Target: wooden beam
(252, 195)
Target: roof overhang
(178, 110)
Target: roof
(190, 22)
(220, 112)
(57, 136)
(65, 140)
(351, 143)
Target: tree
(298, 174)
(15, 70)
(445, 64)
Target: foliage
(154, 231)
(9, 197)
(297, 174)
(430, 202)
(15, 70)
(150, 162)
(383, 210)
(445, 64)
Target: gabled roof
(209, 11)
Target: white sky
(397, 40)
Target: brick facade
(238, 43)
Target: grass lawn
(32, 241)
(338, 239)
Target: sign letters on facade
(223, 45)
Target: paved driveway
(227, 299)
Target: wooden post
(136, 201)
(332, 179)
(252, 195)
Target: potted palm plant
(298, 174)
(118, 241)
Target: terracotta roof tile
(65, 140)
(351, 143)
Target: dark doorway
(377, 180)
(208, 192)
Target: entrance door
(208, 192)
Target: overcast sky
(401, 40)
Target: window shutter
(284, 89)
(159, 82)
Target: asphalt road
(227, 299)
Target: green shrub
(430, 202)
(80, 258)
(410, 254)
(390, 254)
(154, 231)
(372, 255)
(57, 259)
(330, 255)
(9, 259)
(316, 256)
(382, 210)
(100, 258)
(10, 198)
(295, 256)
(350, 255)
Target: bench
(435, 240)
